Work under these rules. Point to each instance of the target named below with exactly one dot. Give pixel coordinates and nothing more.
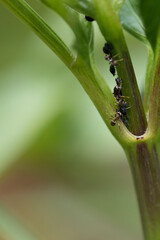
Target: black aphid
(122, 106)
(89, 19)
(123, 110)
(107, 49)
(112, 70)
(125, 120)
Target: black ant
(112, 60)
(118, 81)
(107, 49)
(117, 117)
(122, 106)
(117, 89)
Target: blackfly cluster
(122, 106)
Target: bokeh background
(62, 174)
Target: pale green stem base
(145, 167)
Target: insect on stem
(122, 106)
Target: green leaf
(150, 11)
(81, 28)
(117, 4)
(83, 6)
(87, 7)
(131, 19)
(64, 11)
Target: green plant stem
(89, 77)
(111, 29)
(154, 105)
(37, 24)
(144, 163)
(101, 96)
(148, 79)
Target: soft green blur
(63, 175)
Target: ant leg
(115, 55)
(128, 107)
(118, 125)
(125, 97)
(119, 60)
(112, 117)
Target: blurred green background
(63, 175)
